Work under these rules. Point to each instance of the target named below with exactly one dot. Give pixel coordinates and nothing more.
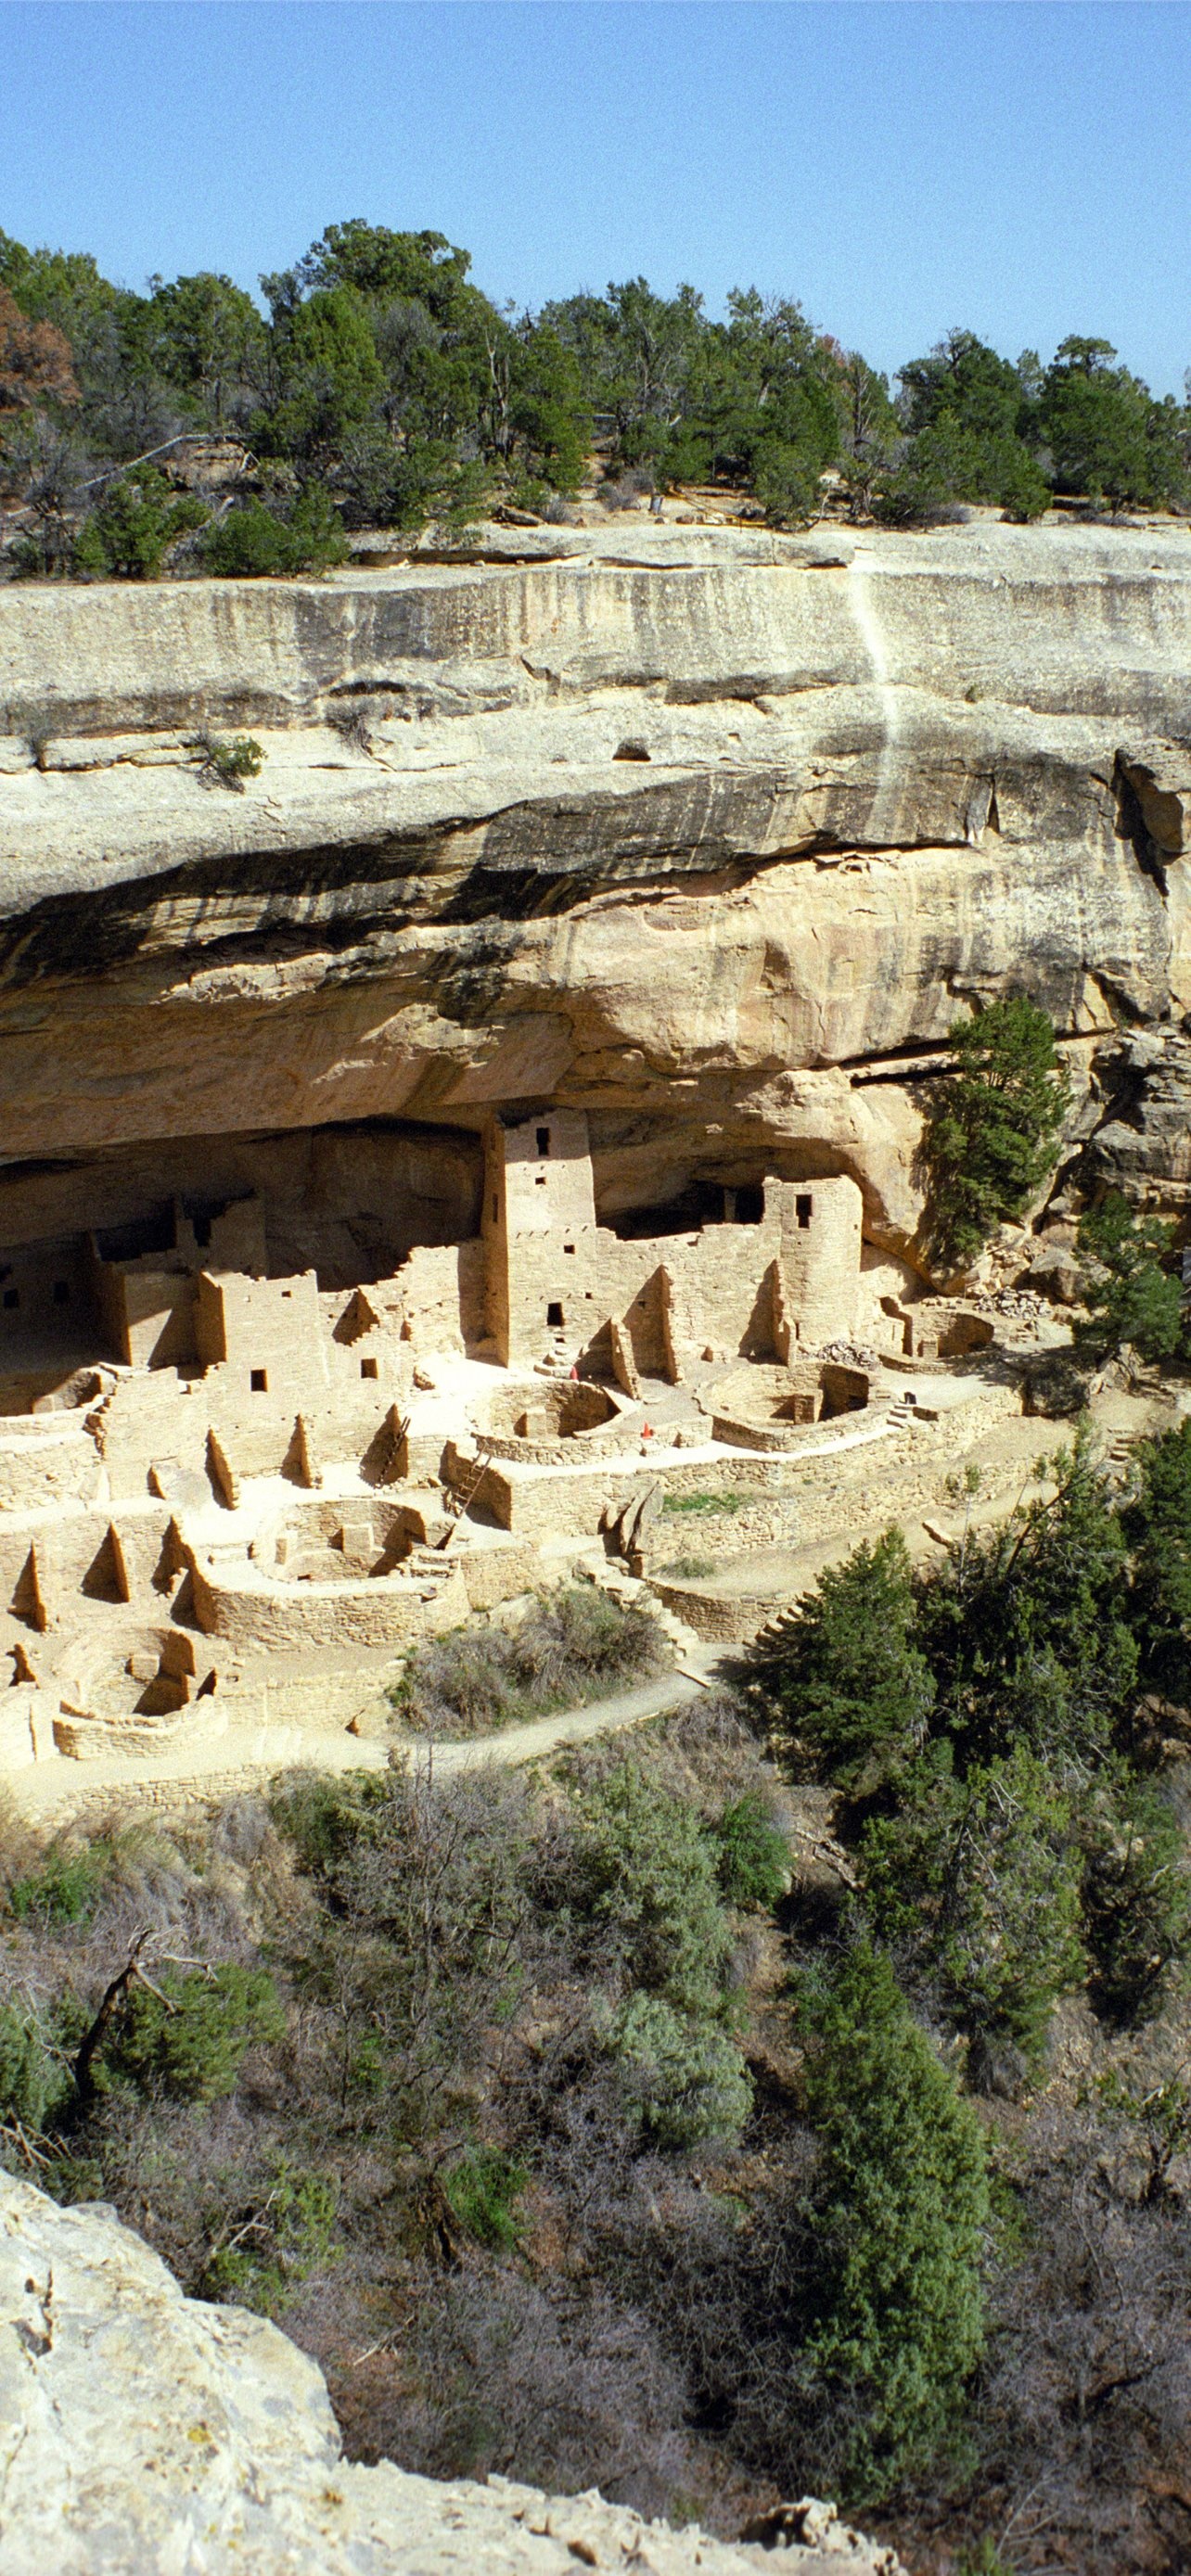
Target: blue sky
(898, 165)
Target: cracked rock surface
(141, 2430)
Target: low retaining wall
(388, 1610)
(721, 1619)
(577, 1501)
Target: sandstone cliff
(708, 833)
(142, 2431)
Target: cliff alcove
(454, 1053)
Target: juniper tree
(993, 1128)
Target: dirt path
(51, 1792)
(545, 1735)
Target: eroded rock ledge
(708, 834)
(142, 2430)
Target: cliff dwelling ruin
(234, 1490)
(467, 1158)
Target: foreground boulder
(143, 2431)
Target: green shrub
(1157, 1526)
(261, 2256)
(321, 1816)
(1136, 1899)
(1160, 2118)
(754, 1862)
(900, 2211)
(788, 484)
(1129, 1295)
(682, 2076)
(979, 1881)
(841, 1671)
(702, 1503)
(1027, 1631)
(484, 2187)
(251, 542)
(64, 1888)
(227, 763)
(650, 1875)
(462, 1684)
(994, 1124)
(984, 2560)
(254, 540)
(128, 532)
(189, 2039)
(34, 2080)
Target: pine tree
(901, 2212)
(993, 1131)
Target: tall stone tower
(820, 1251)
(538, 1227)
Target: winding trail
(50, 1792)
(544, 1735)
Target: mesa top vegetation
(383, 377)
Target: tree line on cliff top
(382, 387)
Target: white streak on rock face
(883, 816)
(145, 2434)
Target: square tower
(538, 1202)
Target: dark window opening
(258, 1380)
(12, 1297)
(61, 1292)
(287, 1292)
(750, 1204)
(543, 1140)
(803, 1206)
(368, 1368)
(554, 1314)
(701, 1203)
(495, 1210)
(568, 1247)
(201, 1215)
(153, 1232)
(540, 1181)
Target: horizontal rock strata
(709, 834)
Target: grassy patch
(572, 1646)
(702, 1503)
(483, 2189)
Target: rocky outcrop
(142, 2430)
(708, 833)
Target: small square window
(568, 1247)
(803, 1206)
(61, 1292)
(368, 1368)
(12, 1297)
(543, 1140)
(258, 1379)
(540, 1180)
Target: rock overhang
(882, 781)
